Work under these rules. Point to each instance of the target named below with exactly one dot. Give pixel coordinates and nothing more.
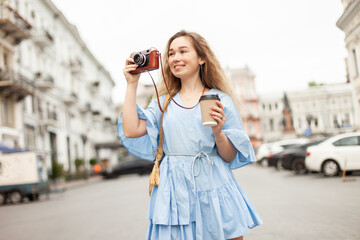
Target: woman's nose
(177, 57)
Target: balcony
(49, 120)
(44, 82)
(70, 99)
(13, 24)
(42, 38)
(14, 85)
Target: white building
(326, 109)
(329, 109)
(55, 95)
(349, 22)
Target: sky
(286, 43)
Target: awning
(5, 149)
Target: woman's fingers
(218, 111)
(218, 115)
(129, 61)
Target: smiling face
(183, 61)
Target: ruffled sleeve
(144, 147)
(234, 130)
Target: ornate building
(244, 87)
(349, 22)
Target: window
(346, 121)
(349, 141)
(316, 123)
(7, 112)
(271, 124)
(30, 139)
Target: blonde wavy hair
(213, 76)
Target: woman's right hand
(129, 67)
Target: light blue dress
(198, 196)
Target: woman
(198, 196)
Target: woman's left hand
(218, 114)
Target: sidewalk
(61, 186)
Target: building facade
(320, 110)
(271, 116)
(55, 96)
(349, 22)
(243, 80)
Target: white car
(335, 154)
(263, 151)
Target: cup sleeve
(143, 147)
(234, 131)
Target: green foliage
(78, 163)
(315, 84)
(92, 161)
(57, 170)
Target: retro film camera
(146, 60)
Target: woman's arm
(132, 125)
(225, 148)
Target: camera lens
(140, 59)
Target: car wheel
(264, 162)
(16, 197)
(278, 165)
(298, 166)
(331, 168)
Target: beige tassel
(154, 176)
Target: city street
(292, 208)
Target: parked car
(335, 154)
(293, 158)
(263, 152)
(131, 165)
(277, 147)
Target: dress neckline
(183, 104)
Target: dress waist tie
(197, 158)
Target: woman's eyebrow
(171, 49)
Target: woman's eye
(171, 54)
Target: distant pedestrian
(197, 196)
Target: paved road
(292, 208)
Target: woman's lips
(177, 67)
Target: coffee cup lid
(210, 97)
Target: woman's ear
(202, 61)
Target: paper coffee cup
(206, 101)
